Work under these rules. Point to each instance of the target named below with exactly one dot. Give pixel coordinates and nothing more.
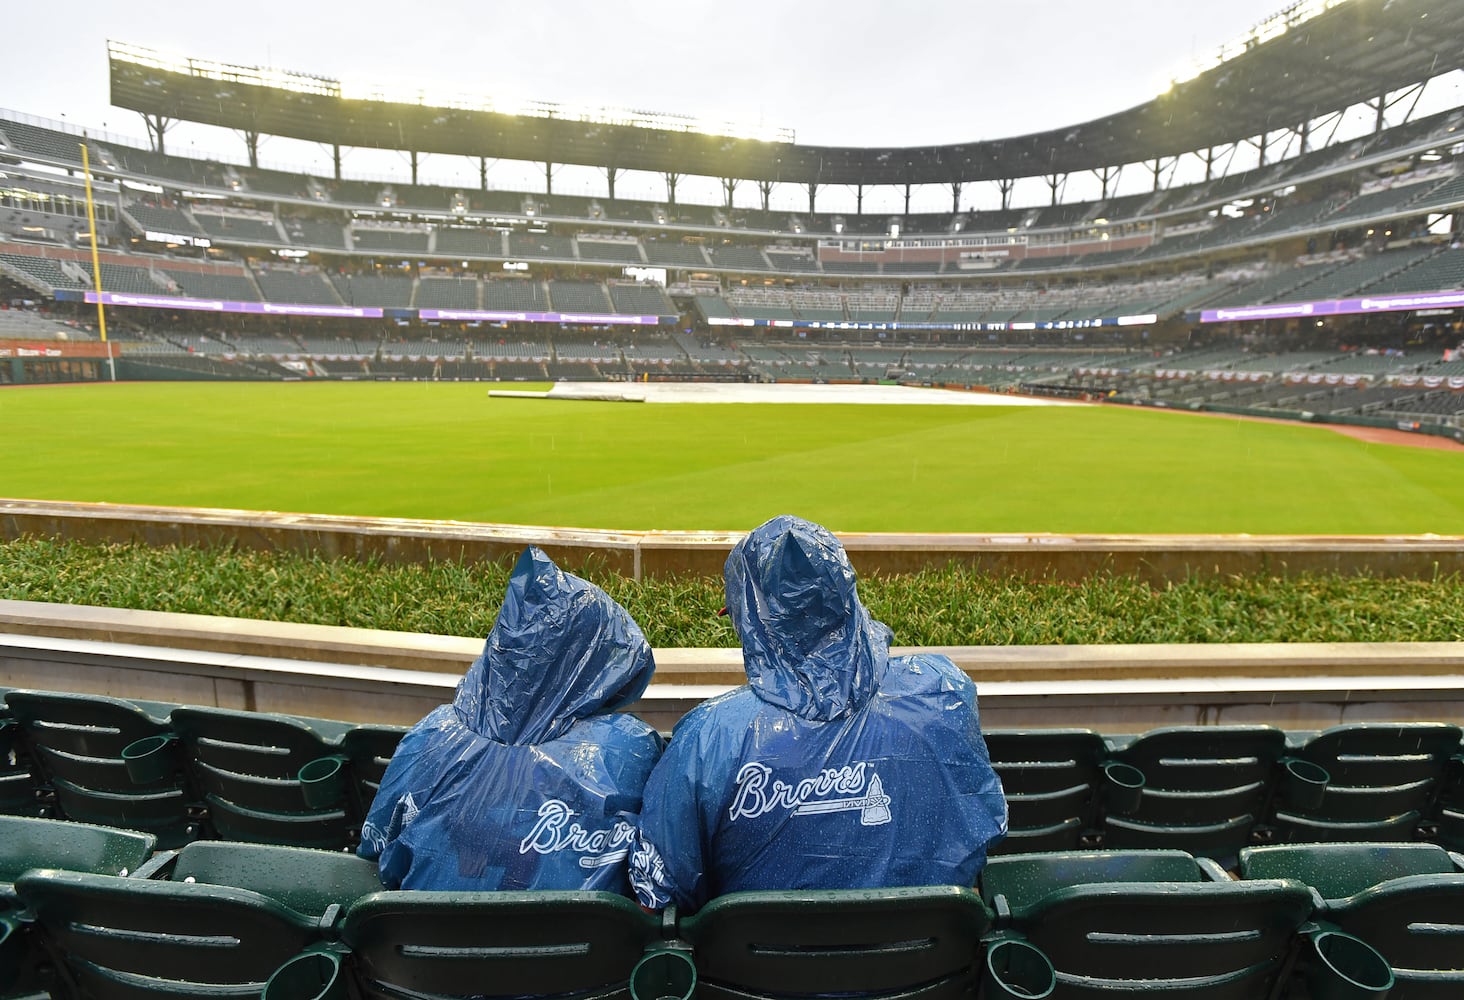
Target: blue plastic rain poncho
(837, 766)
(529, 779)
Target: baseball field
(448, 450)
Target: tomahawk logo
(554, 832)
(835, 789)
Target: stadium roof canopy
(1350, 53)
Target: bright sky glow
(836, 72)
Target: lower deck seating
(181, 773)
(90, 916)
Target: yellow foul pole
(91, 222)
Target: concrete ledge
(411, 651)
(374, 676)
(681, 553)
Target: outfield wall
(363, 675)
(641, 554)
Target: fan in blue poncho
(529, 779)
(837, 766)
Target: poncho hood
(560, 651)
(808, 644)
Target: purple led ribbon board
(491, 316)
(1337, 307)
(215, 305)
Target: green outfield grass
(449, 451)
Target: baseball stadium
(1152, 424)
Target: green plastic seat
(136, 939)
(1050, 777)
(304, 879)
(247, 765)
(1417, 923)
(18, 786)
(1205, 788)
(27, 843)
(906, 942)
(76, 742)
(1021, 880)
(1405, 900)
(1210, 940)
(1382, 779)
(1449, 818)
(1336, 871)
(369, 749)
(496, 944)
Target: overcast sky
(847, 72)
(844, 72)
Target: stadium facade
(1242, 284)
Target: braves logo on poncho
(834, 789)
(554, 832)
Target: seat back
(498, 944)
(127, 939)
(247, 764)
(76, 742)
(1336, 871)
(80, 737)
(369, 749)
(27, 843)
(1417, 923)
(304, 879)
(1205, 788)
(1217, 940)
(1024, 879)
(1382, 778)
(17, 785)
(1050, 777)
(890, 942)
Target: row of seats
(1214, 790)
(88, 912)
(183, 772)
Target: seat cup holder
(1305, 784)
(1346, 968)
(323, 781)
(1123, 787)
(150, 759)
(313, 975)
(1015, 968)
(664, 974)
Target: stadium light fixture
(1272, 27)
(323, 86)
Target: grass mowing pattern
(946, 607)
(448, 451)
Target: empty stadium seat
(17, 784)
(1381, 778)
(1204, 788)
(248, 767)
(1148, 937)
(1405, 900)
(27, 843)
(1049, 776)
(76, 743)
(1017, 880)
(495, 944)
(1448, 817)
(905, 942)
(1336, 871)
(304, 879)
(137, 939)
(369, 750)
